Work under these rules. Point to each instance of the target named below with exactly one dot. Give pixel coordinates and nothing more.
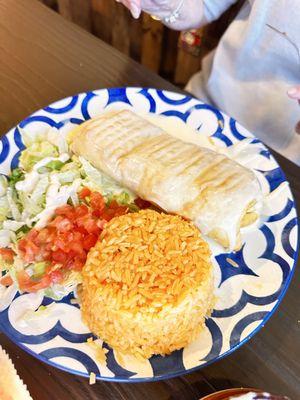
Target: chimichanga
(213, 191)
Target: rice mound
(147, 284)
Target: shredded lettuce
(4, 265)
(36, 152)
(122, 198)
(39, 269)
(58, 138)
(11, 198)
(22, 232)
(12, 225)
(4, 208)
(7, 295)
(29, 206)
(6, 237)
(100, 181)
(68, 176)
(29, 138)
(3, 185)
(54, 165)
(16, 175)
(70, 283)
(55, 136)
(39, 193)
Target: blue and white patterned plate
(249, 283)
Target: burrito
(216, 193)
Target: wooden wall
(145, 40)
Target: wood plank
(102, 18)
(121, 29)
(169, 53)
(50, 3)
(136, 35)
(77, 11)
(186, 66)
(151, 42)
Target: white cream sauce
(240, 152)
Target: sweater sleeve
(214, 8)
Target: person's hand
(191, 11)
(133, 5)
(294, 93)
(160, 8)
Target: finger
(135, 9)
(133, 5)
(294, 92)
(298, 128)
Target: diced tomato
(91, 226)
(47, 255)
(42, 284)
(97, 201)
(76, 264)
(114, 205)
(23, 278)
(90, 241)
(81, 230)
(67, 239)
(85, 192)
(101, 223)
(28, 249)
(62, 224)
(44, 236)
(108, 214)
(32, 234)
(55, 276)
(121, 210)
(97, 213)
(65, 210)
(7, 254)
(22, 244)
(28, 285)
(77, 248)
(59, 256)
(6, 280)
(114, 210)
(81, 210)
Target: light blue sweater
(249, 73)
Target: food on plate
(11, 385)
(52, 209)
(219, 195)
(80, 210)
(147, 283)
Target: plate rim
(229, 351)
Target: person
(254, 67)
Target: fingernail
(292, 91)
(135, 10)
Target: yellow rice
(147, 284)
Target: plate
(250, 283)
